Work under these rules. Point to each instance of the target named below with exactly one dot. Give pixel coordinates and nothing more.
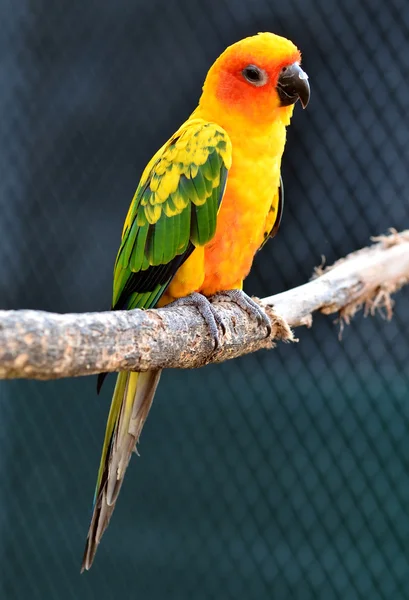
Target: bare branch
(40, 345)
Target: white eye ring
(254, 75)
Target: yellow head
(256, 77)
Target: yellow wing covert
(173, 211)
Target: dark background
(281, 475)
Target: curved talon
(209, 314)
(219, 320)
(247, 304)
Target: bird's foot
(210, 315)
(247, 304)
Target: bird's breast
(250, 192)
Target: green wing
(173, 211)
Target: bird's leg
(247, 304)
(209, 314)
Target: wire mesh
(279, 475)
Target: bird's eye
(255, 75)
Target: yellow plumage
(188, 231)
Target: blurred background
(281, 475)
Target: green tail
(132, 399)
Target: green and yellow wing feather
(173, 211)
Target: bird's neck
(258, 136)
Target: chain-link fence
(281, 475)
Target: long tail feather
(130, 406)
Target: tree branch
(41, 345)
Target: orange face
(257, 76)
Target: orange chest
(250, 192)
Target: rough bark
(40, 345)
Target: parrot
(206, 202)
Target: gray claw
(247, 304)
(209, 314)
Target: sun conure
(206, 202)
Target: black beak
(293, 84)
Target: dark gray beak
(293, 84)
